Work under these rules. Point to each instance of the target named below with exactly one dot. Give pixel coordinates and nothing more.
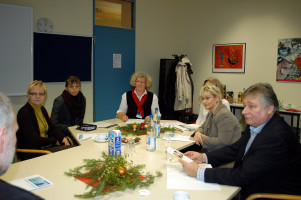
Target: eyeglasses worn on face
(205, 99)
(37, 94)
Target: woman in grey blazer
(221, 126)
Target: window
(116, 13)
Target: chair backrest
(37, 152)
(33, 151)
(273, 196)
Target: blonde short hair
(215, 82)
(215, 91)
(144, 75)
(36, 83)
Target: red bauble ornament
(142, 126)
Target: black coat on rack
(167, 88)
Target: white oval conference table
(53, 166)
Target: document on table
(192, 126)
(177, 137)
(179, 180)
(104, 124)
(31, 183)
(87, 136)
(134, 121)
(180, 126)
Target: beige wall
(192, 26)
(166, 27)
(73, 17)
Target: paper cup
(181, 195)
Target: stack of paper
(177, 137)
(179, 180)
(134, 121)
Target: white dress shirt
(124, 105)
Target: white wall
(73, 17)
(192, 26)
(166, 27)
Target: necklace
(210, 123)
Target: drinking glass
(128, 150)
(168, 135)
(168, 144)
(132, 146)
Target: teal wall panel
(110, 83)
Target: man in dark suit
(8, 128)
(267, 156)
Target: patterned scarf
(139, 103)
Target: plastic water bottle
(151, 136)
(157, 122)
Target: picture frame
(289, 60)
(229, 58)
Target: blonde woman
(203, 112)
(221, 127)
(139, 102)
(36, 131)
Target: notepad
(32, 183)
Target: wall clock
(45, 25)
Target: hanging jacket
(183, 96)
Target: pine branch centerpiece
(111, 174)
(139, 129)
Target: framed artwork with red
(289, 60)
(229, 58)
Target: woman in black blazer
(36, 131)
